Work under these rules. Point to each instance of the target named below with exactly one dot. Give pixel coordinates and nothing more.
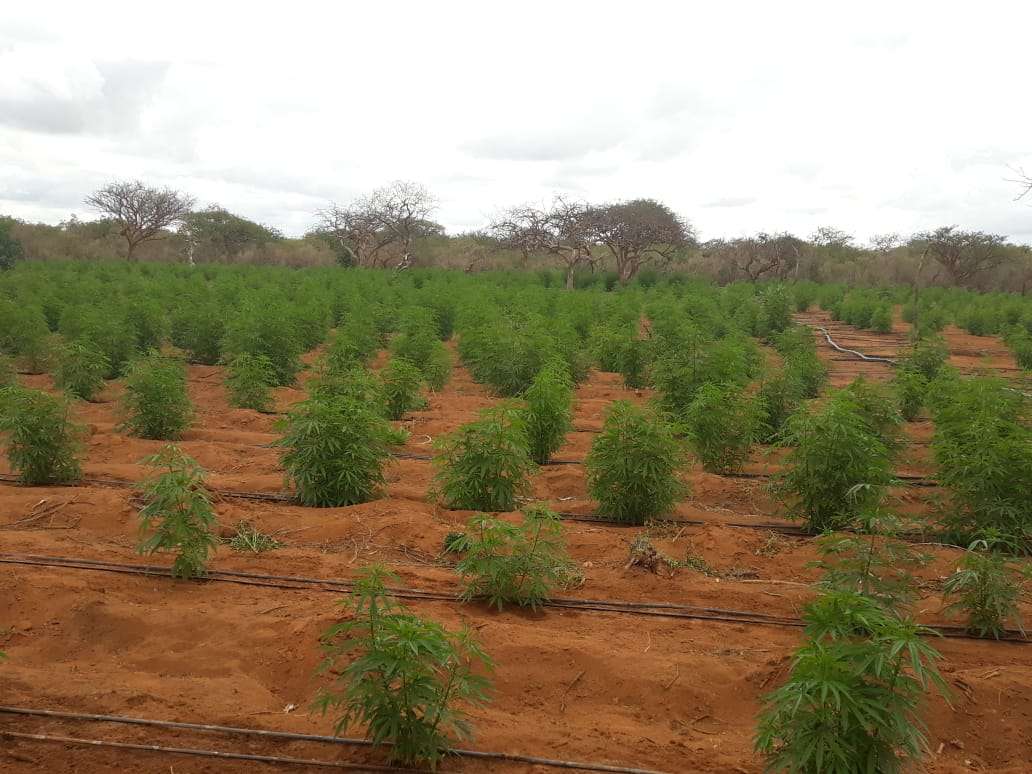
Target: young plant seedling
(249, 381)
(43, 443)
(985, 590)
(402, 678)
(549, 410)
(507, 563)
(178, 515)
(81, 369)
(156, 403)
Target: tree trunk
(626, 268)
(129, 252)
(569, 275)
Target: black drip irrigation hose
(292, 736)
(336, 585)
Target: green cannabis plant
(722, 424)
(334, 451)
(633, 465)
(485, 465)
(507, 563)
(837, 466)
(852, 702)
(156, 403)
(43, 443)
(404, 679)
(401, 382)
(249, 381)
(549, 411)
(81, 369)
(985, 590)
(177, 515)
(873, 562)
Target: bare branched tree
(1024, 180)
(639, 232)
(885, 243)
(394, 215)
(564, 230)
(143, 213)
(764, 255)
(965, 254)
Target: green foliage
(797, 348)
(881, 319)
(156, 403)
(877, 405)
(985, 590)
(81, 368)
(43, 443)
(110, 333)
(352, 381)
(401, 382)
(633, 465)
(911, 388)
(266, 330)
(983, 450)
(249, 381)
(722, 424)
(851, 704)
(514, 563)
(685, 364)
(178, 513)
(10, 248)
(779, 395)
(400, 677)
(485, 465)
(1019, 341)
(927, 357)
(438, 369)
(336, 449)
(198, 327)
(8, 376)
(549, 410)
(837, 467)
(874, 564)
(24, 334)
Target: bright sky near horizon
(742, 116)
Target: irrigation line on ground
(294, 582)
(320, 738)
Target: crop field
(642, 505)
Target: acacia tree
(965, 254)
(215, 233)
(143, 213)
(394, 215)
(565, 230)
(638, 232)
(766, 254)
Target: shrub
(10, 248)
(249, 381)
(881, 320)
(8, 376)
(778, 396)
(683, 366)
(81, 368)
(108, 332)
(837, 467)
(198, 328)
(797, 348)
(24, 334)
(178, 512)
(722, 424)
(549, 410)
(633, 362)
(911, 388)
(485, 465)
(851, 701)
(438, 369)
(401, 381)
(156, 403)
(335, 451)
(878, 407)
(927, 357)
(404, 676)
(514, 563)
(353, 381)
(983, 450)
(633, 465)
(985, 591)
(266, 330)
(43, 444)
(1019, 341)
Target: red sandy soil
(666, 694)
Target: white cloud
(742, 116)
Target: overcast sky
(741, 116)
